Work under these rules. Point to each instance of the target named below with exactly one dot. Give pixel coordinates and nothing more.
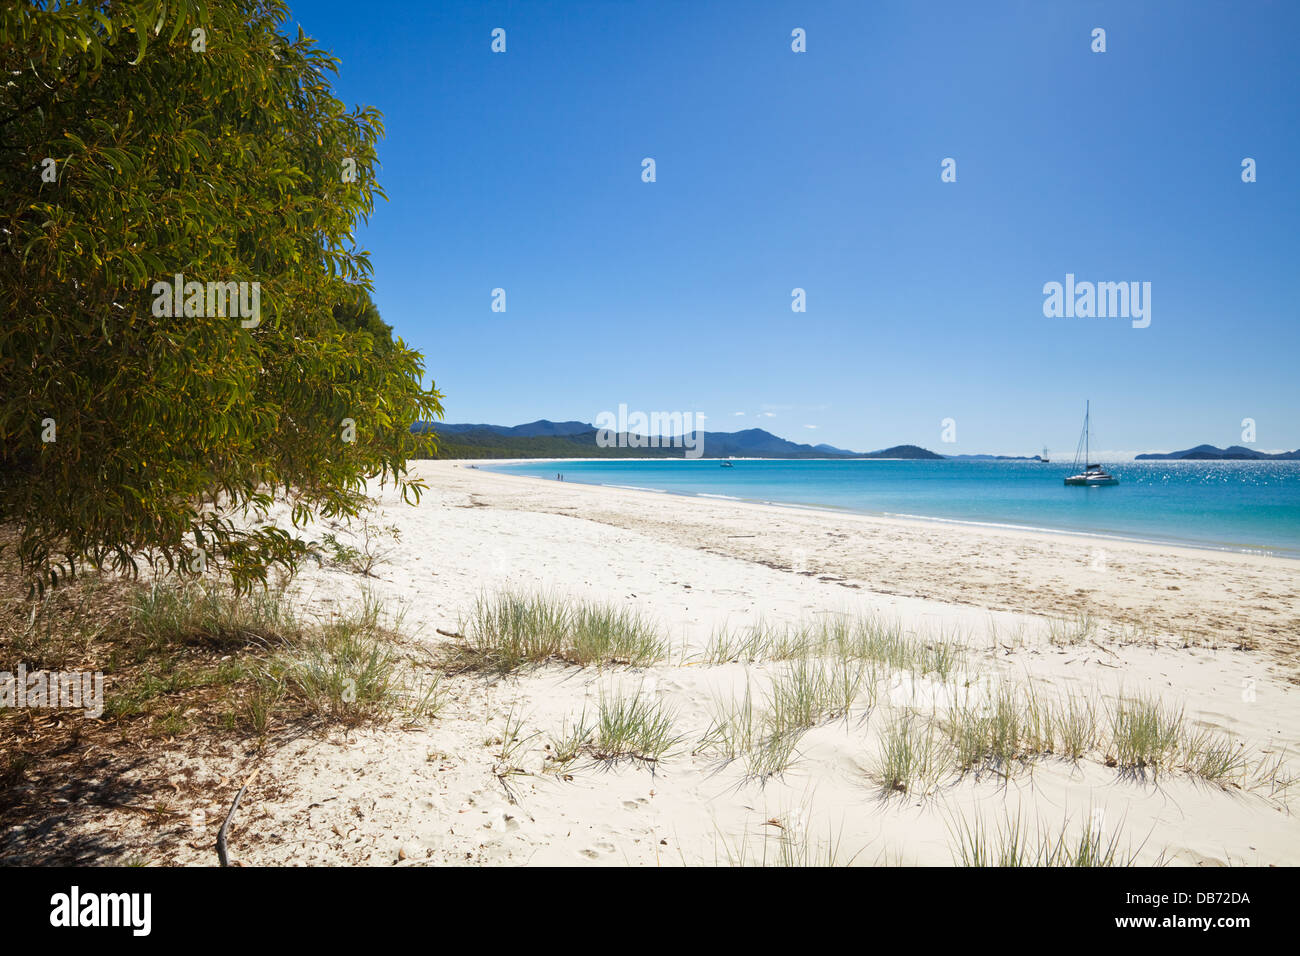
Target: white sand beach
(1214, 634)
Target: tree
(141, 141)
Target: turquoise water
(1234, 505)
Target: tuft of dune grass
(1145, 733)
(203, 611)
(635, 726)
(345, 669)
(910, 759)
(846, 637)
(1013, 844)
(802, 695)
(510, 629)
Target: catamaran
(1092, 476)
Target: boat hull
(1092, 481)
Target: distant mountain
(540, 428)
(757, 443)
(1213, 453)
(904, 451)
(547, 439)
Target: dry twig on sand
(221, 834)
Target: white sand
(697, 564)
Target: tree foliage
(194, 138)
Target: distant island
(1213, 453)
(547, 439)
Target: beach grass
(570, 742)
(842, 636)
(606, 634)
(193, 638)
(633, 725)
(1272, 772)
(740, 730)
(258, 706)
(1076, 726)
(345, 671)
(1145, 733)
(187, 655)
(59, 628)
(1014, 844)
(831, 668)
(510, 745)
(1069, 630)
(910, 759)
(809, 691)
(276, 665)
(982, 732)
(803, 694)
(1213, 756)
(171, 613)
(510, 629)
(636, 726)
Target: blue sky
(821, 170)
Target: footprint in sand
(597, 850)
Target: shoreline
(1259, 551)
(1210, 594)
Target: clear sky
(821, 170)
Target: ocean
(1227, 505)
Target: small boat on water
(726, 463)
(1092, 476)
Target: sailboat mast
(1092, 475)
